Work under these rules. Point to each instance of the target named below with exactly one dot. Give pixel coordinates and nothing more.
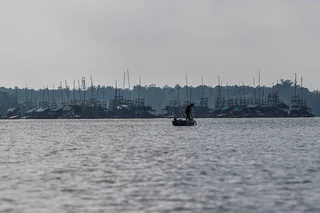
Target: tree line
(157, 97)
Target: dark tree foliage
(6, 101)
(286, 83)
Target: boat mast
(139, 89)
(67, 91)
(263, 95)
(124, 80)
(43, 105)
(103, 94)
(187, 89)
(228, 94)
(129, 84)
(74, 90)
(242, 92)
(48, 95)
(79, 90)
(84, 88)
(98, 92)
(61, 91)
(31, 90)
(53, 101)
(92, 95)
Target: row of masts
(47, 98)
(189, 94)
(264, 96)
(261, 95)
(297, 100)
(119, 98)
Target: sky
(45, 42)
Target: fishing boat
(181, 122)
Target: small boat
(180, 122)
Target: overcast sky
(43, 42)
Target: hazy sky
(43, 42)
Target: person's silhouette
(188, 111)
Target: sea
(148, 165)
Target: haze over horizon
(45, 42)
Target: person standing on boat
(188, 111)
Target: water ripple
(221, 165)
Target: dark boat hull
(184, 123)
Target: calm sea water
(221, 165)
